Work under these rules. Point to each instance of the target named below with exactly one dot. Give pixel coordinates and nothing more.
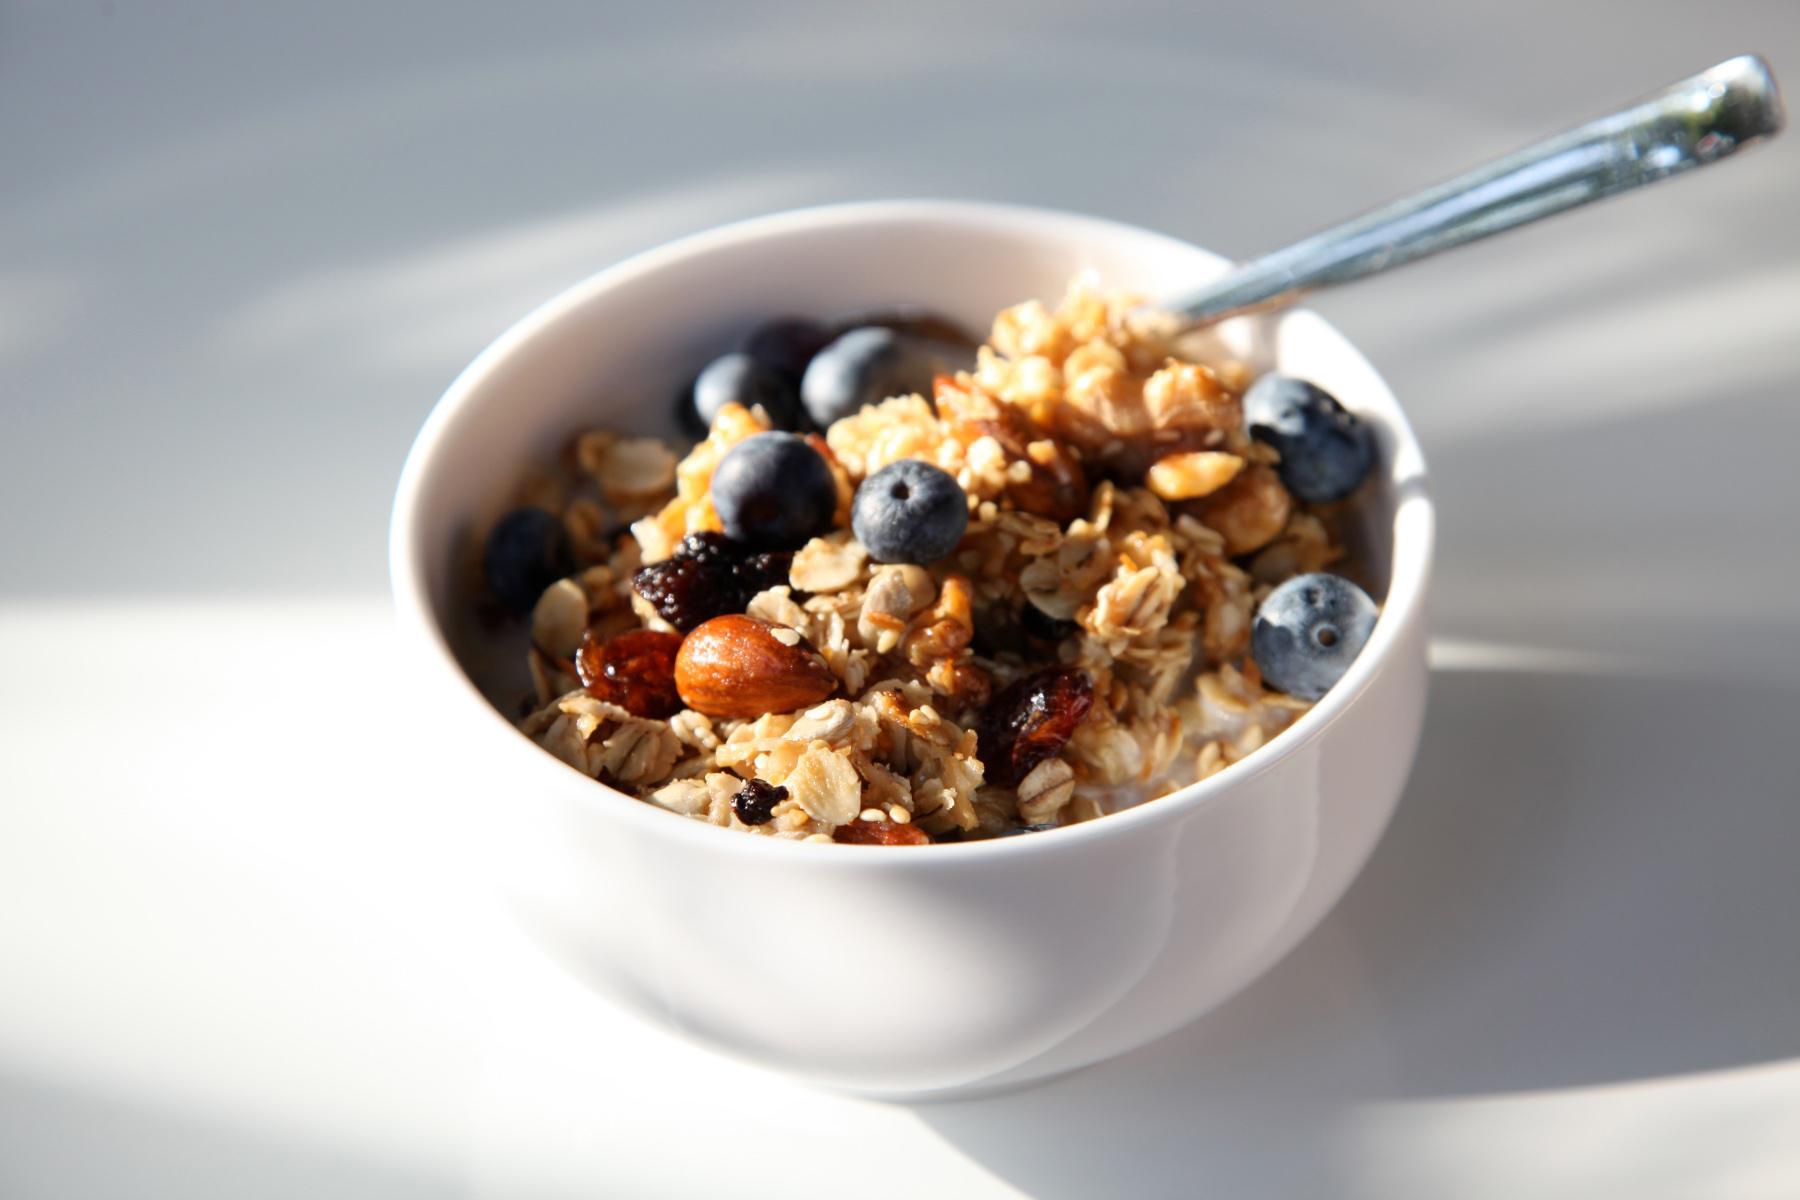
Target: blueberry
(912, 319)
(864, 366)
(527, 551)
(739, 379)
(786, 344)
(1326, 451)
(909, 512)
(1309, 631)
(773, 491)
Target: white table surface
(244, 949)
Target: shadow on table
(1589, 881)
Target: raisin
(1030, 721)
(756, 800)
(709, 576)
(709, 548)
(634, 669)
(760, 572)
(880, 833)
(685, 592)
(1041, 625)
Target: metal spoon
(1689, 124)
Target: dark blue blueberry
(913, 320)
(773, 492)
(909, 512)
(1326, 451)
(786, 344)
(527, 551)
(1308, 632)
(864, 366)
(739, 379)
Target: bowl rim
(1409, 567)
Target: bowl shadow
(1588, 881)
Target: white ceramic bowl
(900, 971)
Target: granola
(1122, 526)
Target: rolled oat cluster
(1083, 647)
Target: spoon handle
(1689, 124)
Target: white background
(244, 951)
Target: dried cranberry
(756, 800)
(1030, 721)
(880, 833)
(709, 576)
(634, 669)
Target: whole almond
(738, 666)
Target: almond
(737, 666)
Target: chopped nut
(1250, 511)
(947, 626)
(1192, 474)
(894, 596)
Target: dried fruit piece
(709, 547)
(1030, 721)
(755, 802)
(709, 576)
(880, 833)
(685, 591)
(760, 572)
(634, 669)
(736, 666)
